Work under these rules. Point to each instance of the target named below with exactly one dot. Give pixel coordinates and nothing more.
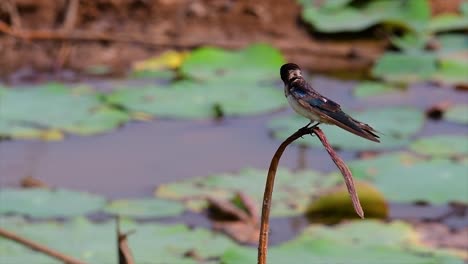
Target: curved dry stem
(266, 206)
(38, 247)
(265, 223)
(347, 175)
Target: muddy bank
(50, 36)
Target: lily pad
(452, 71)
(405, 178)
(448, 22)
(457, 114)
(369, 169)
(218, 83)
(96, 243)
(442, 145)
(28, 112)
(366, 89)
(144, 208)
(411, 42)
(436, 182)
(256, 63)
(161, 66)
(176, 244)
(398, 67)
(293, 191)
(450, 43)
(187, 99)
(413, 15)
(346, 19)
(409, 120)
(44, 203)
(350, 243)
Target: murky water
(130, 162)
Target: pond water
(133, 160)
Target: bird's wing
(331, 112)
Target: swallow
(318, 108)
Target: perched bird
(316, 107)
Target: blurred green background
(167, 113)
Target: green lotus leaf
(193, 100)
(405, 178)
(45, 203)
(293, 191)
(366, 89)
(442, 145)
(28, 112)
(452, 43)
(398, 67)
(96, 243)
(256, 63)
(144, 208)
(452, 71)
(457, 113)
(396, 242)
(340, 17)
(448, 22)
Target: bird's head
(290, 71)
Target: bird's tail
(350, 124)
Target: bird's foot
(312, 127)
(310, 123)
(315, 125)
(307, 126)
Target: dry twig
(125, 253)
(264, 224)
(38, 247)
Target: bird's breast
(301, 110)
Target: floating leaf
(411, 42)
(95, 243)
(369, 169)
(44, 203)
(413, 15)
(448, 22)
(101, 120)
(342, 20)
(396, 242)
(186, 99)
(226, 84)
(457, 114)
(437, 182)
(18, 131)
(28, 112)
(160, 66)
(144, 208)
(397, 67)
(176, 244)
(442, 145)
(168, 60)
(293, 191)
(452, 71)
(409, 122)
(256, 63)
(368, 88)
(450, 43)
(403, 178)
